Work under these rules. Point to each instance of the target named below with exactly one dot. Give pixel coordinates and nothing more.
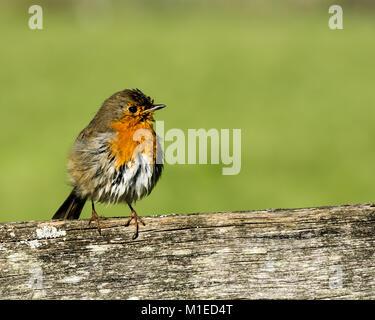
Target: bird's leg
(136, 220)
(95, 217)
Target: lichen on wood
(310, 253)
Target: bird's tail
(71, 208)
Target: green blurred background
(302, 94)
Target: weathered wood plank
(312, 253)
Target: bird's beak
(156, 107)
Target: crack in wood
(316, 253)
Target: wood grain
(311, 253)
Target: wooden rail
(311, 253)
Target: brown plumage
(116, 158)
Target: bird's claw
(95, 217)
(136, 219)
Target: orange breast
(131, 138)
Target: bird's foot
(95, 217)
(136, 219)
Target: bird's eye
(133, 109)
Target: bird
(116, 158)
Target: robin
(116, 158)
